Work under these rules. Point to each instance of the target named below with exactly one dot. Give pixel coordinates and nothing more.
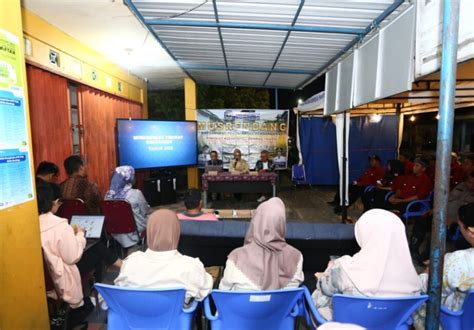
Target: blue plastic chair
(388, 195)
(459, 320)
(298, 175)
(376, 313)
(422, 206)
(368, 189)
(272, 309)
(146, 308)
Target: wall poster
(16, 181)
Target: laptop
(214, 168)
(93, 224)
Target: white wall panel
(330, 93)
(344, 84)
(396, 56)
(366, 66)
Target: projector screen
(146, 144)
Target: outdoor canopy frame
(267, 44)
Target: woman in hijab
(382, 267)
(121, 188)
(161, 265)
(266, 261)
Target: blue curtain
(366, 138)
(318, 146)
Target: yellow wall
(191, 114)
(77, 61)
(22, 292)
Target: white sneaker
(103, 305)
(261, 199)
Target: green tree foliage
(166, 104)
(169, 104)
(215, 97)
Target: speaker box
(160, 190)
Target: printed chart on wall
(251, 131)
(16, 180)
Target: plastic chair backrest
(70, 207)
(298, 174)
(275, 309)
(376, 313)
(459, 320)
(131, 308)
(119, 217)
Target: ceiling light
(300, 101)
(412, 118)
(375, 118)
(437, 116)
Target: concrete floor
(303, 203)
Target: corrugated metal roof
(261, 43)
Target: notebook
(91, 223)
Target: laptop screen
(91, 223)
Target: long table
(225, 182)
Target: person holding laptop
(238, 164)
(63, 248)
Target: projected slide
(153, 144)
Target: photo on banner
(249, 130)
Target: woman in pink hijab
(266, 261)
(382, 267)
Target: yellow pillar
(23, 298)
(191, 114)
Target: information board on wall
(251, 131)
(16, 185)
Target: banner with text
(251, 131)
(16, 180)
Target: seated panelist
(264, 164)
(214, 161)
(238, 164)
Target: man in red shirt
(415, 186)
(404, 157)
(370, 177)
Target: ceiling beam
(140, 18)
(216, 15)
(244, 69)
(390, 9)
(283, 44)
(254, 26)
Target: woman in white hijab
(382, 267)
